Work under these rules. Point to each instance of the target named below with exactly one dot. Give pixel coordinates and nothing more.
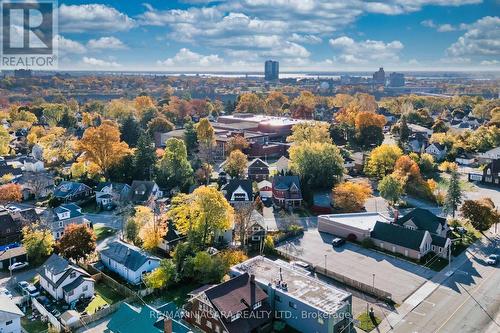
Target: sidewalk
(427, 288)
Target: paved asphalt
(467, 302)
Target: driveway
(397, 276)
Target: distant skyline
(303, 35)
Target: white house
(282, 165)
(437, 150)
(33, 165)
(265, 189)
(64, 281)
(128, 261)
(10, 316)
(465, 159)
(111, 193)
(65, 215)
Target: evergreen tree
(454, 194)
(190, 137)
(144, 158)
(130, 131)
(404, 130)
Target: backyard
(102, 232)
(105, 296)
(32, 326)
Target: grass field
(32, 326)
(365, 322)
(102, 232)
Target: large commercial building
(379, 76)
(302, 301)
(396, 80)
(272, 70)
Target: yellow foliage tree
(350, 197)
(316, 131)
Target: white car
(5, 292)
(18, 265)
(28, 289)
(492, 259)
(301, 264)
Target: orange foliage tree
(10, 192)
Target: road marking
(432, 304)
(465, 301)
(419, 313)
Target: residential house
(128, 261)
(10, 228)
(65, 281)
(144, 192)
(238, 190)
(465, 159)
(10, 316)
(31, 164)
(258, 170)
(171, 238)
(265, 189)
(291, 291)
(238, 305)
(65, 215)
(257, 229)
(437, 150)
(109, 193)
(286, 191)
(68, 191)
(7, 169)
(146, 319)
(349, 164)
(490, 175)
(420, 130)
(282, 165)
(486, 157)
(35, 185)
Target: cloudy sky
(204, 35)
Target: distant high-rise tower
(272, 70)
(379, 76)
(396, 80)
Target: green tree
(4, 141)
(454, 194)
(132, 230)
(390, 189)
(190, 137)
(77, 242)
(382, 160)
(144, 158)
(404, 130)
(38, 242)
(316, 131)
(163, 276)
(175, 169)
(130, 131)
(320, 165)
(481, 213)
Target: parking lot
(397, 276)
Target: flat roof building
(358, 224)
(304, 302)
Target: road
(107, 219)
(468, 301)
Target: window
(255, 238)
(71, 293)
(60, 224)
(72, 275)
(292, 305)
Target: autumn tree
(320, 165)
(237, 142)
(315, 131)
(404, 130)
(369, 128)
(236, 164)
(202, 214)
(382, 160)
(243, 214)
(4, 141)
(351, 197)
(38, 242)
(150, 234)
(275, 103)
(206, 139)
(58, 146)
(102, 146)
(159, 125)
(303, 106)
(480, 213)
(453, 194)
(10, 192)
(119, 109)
(390, 188)
(142, 103)
(203, 173)
(175, 169)
(163, 276)
(77, 242)
(249, 103)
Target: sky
(316, 35)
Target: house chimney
(167, 325)
(396, 215)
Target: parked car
(5, 292)
(338, 242)
(28, 289)
(301, 264)
(492, 259)
(18, 265)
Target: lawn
(32, 326)
(366, 323)
(108, 294)
(97, 303)
(102, 232)
(177, 294)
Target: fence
(363, 287)
(44, 312)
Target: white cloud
(94, 62)
(188, 58)
(444, 27)
(306, 39)
(68, 46)
(367, 51)
(490, 62)
(93, 17)
(106, 43)
(482, 39)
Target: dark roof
(75, 283)
(494, 166)
(172, 234)
(7, 224)
(233, 184)
(257, 163)
(235, 295)
(143, 189)
(438, 240)
(397, 235)
(73, 209)
(69, 188)
(56, 264)
(423, 220)
(285, 182)
(129, 256)
(9, 169)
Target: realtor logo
(28, 31)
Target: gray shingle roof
(128, 255)
(423, 219)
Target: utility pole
(325, 264)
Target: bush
(367, 243)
